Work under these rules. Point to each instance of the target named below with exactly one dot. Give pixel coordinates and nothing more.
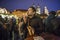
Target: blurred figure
(1, 28)
(56, 24)
(1, 19)
(5, 32)
(48, 25)
(33, 22)
(6, 20)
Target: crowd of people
(29, 25)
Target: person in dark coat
(1, 28)
(5, 32)
(48, 22)
(56, 25)
(33, 21)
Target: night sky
(25, 4)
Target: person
(48, 22)
(1, 30)
(4, 32)
(33, 22)
(56, 24)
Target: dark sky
(25, 4)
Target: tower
(46, 10)
(38, 11)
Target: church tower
(38, 11)
(46, 10)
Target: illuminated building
(4, 12)
(46, 10)
(19, 12)
(38, 10)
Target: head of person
(53, 13)
(31, 11)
